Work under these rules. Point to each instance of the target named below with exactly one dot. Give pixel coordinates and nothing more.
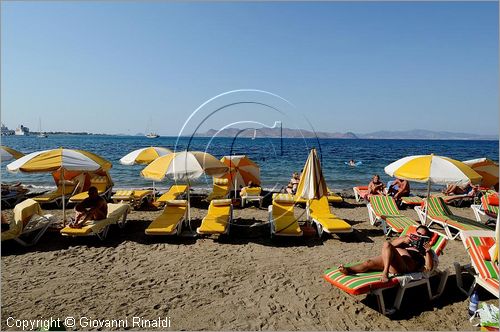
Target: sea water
(277, 158)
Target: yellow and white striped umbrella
(184, 166)
(242, 170)
(312, 183)
(7, 153)
(487, 168)
(432, 169)
(144, 155)
(53, 160)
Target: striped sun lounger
(486, 209)
(441, 214)
(412, 200)
(369, 282)
(384, 209)
(361, 193)
(484, 270)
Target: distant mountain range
(296, 133)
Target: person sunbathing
(403, 189)
(293, 184)
(376, 187)
(408, 254)
(93, 207)
(468, 189)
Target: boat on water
(152, 135)
(149, 130)
(40, 133)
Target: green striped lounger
(385, 210)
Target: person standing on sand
(403, 255)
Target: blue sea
(277, 161)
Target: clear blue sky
(108, 67)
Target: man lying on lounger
(408, 254)
(93, 207)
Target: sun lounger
(440, 214)
(486, 209)
(383, 209)
(455, 200)
(70, 189)
(484, 270)
(12, 195)
(103, 185)
(251, 195)
(29, 223)
(117, 214)
(412, 200)
(361, 193)
(281, 216)
(170, 221)
(220, 189)
(135, 198)
(325, 220)
(369, 282)
(218, 218)
(175, 192)
(333, 197)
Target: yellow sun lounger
(325, 220)
(282, 218)
(220, 189)
(218, 218)
(173, 193)
(102, 184)
(134, 197)
(28, 221)
(55, 196)
(248, 194)
(100, 227)
(170, 221)
(331, 196)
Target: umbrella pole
(154, 195)
(427, 201)
(63, 197)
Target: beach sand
(245, 282)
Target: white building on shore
(22, 131)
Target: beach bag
(488, 316)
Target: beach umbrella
(242, 170)
(62, 160)
(7, 153)
(312, 184)
(184, 166)
(144, 156)
(432, 169)
(487, 168)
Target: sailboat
(40, 133)
(151, 134)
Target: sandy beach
(241, 282)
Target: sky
(129, 67)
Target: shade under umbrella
(487, 168)
(242, 170)
(7, 153)
(144, 155)
(59, 160)
(184, 166)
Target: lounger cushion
(166, 223)
(493, 199)
(177, 202)
(283, 198)
(253, 191)
(221, 181)
(123, 194)
(485, 268)
(115, 212)
(484, 252)
(412, 200)
(334, 198)
(360, 283)
(221, 202)
(217, 219)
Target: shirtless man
(93, 207)
(398, 256)
(376, 187)
(402, 191)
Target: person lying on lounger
(403, 189)
(376, 187)
(468, 189)
(93, 207)
(408, 254)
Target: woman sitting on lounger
(93, 207)
(411, 253)
(376, 187)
